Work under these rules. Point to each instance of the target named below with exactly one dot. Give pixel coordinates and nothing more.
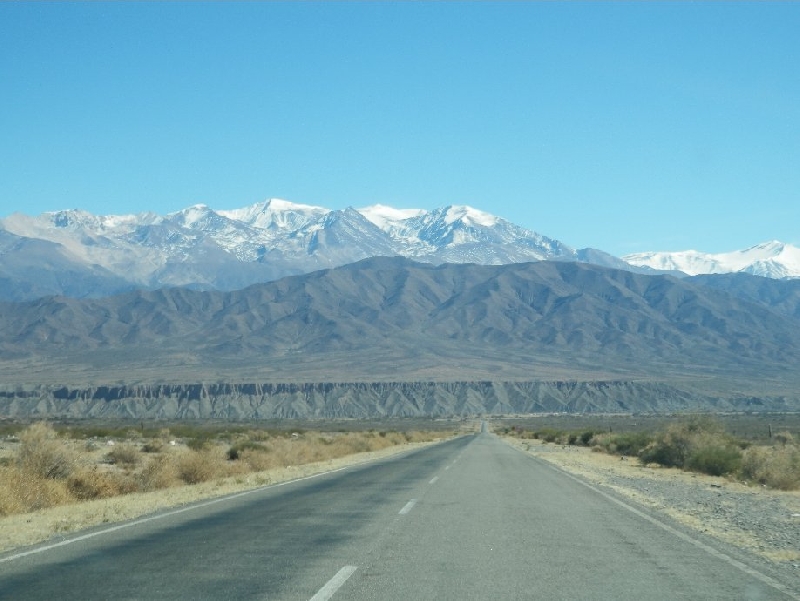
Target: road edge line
(743, 567)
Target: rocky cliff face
(364, 400)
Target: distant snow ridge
(771, 259)
(79, 254)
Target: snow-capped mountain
(771, 259)
(79, 254)
(201, 247)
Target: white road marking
(683, 536)
(333, 585)
(160, 516)
(408, 507)
(433, 480)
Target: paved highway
(471, 518)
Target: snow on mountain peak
(469, 215)
(276, 213)
(770, 259)
(384, 216)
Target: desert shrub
(160, 472)
(259, 461)
(236, 450)
(699, 445)
(628, 443)
(96, 484)
(126, 455)
(549, 435)
(776, 467)
(586, 437)
(23, 491)
(199, 443)
(42, 453)
(194, 467)
(715, 459)
(153, 446)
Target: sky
(626, 127)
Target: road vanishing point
(469, 518)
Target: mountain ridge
(396, 319)
(198, 247)
(75, 253)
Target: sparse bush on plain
(160, 472)
(628, 444)
(42, 453)
(715, 459)
(23, 491)
(198, 466)
(236, 450)
(49, 470)
(776, 467)
(153, 446)
(126, 455)
(93, 483)
(699, 445)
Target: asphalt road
(471, 518)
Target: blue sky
(622, 126)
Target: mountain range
(78, 254)
(392, 319)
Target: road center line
(333, 585)
(408, 507)
(447, 467)
(433, 480)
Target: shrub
(194, 467)
(715, 459)
(160, 472)
(699, 445)
(125, 454)
(24, 491)
(95, 484)
(776, 467)
(629, 443)
(586, 437)
(259, 461)
(550, 435)
(42, 453)
(153, 446)
(199, 443)
(235, 451)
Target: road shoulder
(751, 518)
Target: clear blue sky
(623, 126)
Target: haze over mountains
(75, 253)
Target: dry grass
(47, 470)
(163, 488)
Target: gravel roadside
(758, 520)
